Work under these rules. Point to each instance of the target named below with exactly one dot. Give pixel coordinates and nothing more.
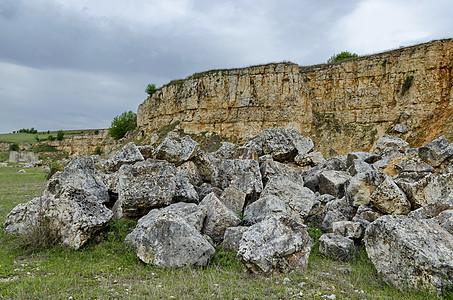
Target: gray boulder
(234, 199)
(298, 199)
(184, 190)
(206, 188)
(369, 158)
(388, 155)
(414, 186)
(333, 182)
(219, 217)
(243, 174)
(362, 186)
(366, 215)
(436, 152)
(127, 155)
(81, 174)
(225, 151)
(390, 199)
(176, 149)
(190, 170)
(336, 247)
(275, 245)
(311, 159)
(285, 144)
(264, 207)
(411, 253)
(359, 166)
(146, 151)
(336, 210)
(270, 168)
(144, 186)
(166, 239)
(348, 229)
(388, 141)
(445, 220)
(232, 237)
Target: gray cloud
(77, 64)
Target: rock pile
(398, 201)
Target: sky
(76, 64)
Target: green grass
(21, 137)
(106, 268)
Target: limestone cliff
(343, 107)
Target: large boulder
(81, 174)
(333, 182)
(436, 152)
(127, 155)
(144, 186)
(270, 168)
(414, 186)
(176, 149)
(166, 239)
(285, 144)
(362, 185)
(408, 252)
(336, 210)
(275, 245)
(243, 174)
(390, 199)
(219, 217)
(232, 237)
(298, 199)
(388, 141)
(264, 207)
(71, 218)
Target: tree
(342, 56)
(151, 89)
(60, 135)
(123, 123)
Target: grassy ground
(31, 138)
(107, 269)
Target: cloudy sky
(76, 64)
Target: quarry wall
(343, 107)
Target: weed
(407, 84)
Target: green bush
(60, 135)
(14, 147)
(151, 89)
(123, 123)
(96, 132)
(342, 56)
(51, 137)
(407, 84)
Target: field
(31, 138)
(107, 269)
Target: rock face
(407, 252)
(346, 105)
(275, 245)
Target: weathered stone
(264, 207)
(348, 229)
(433, 209)
(146, 151)
(206, 164)
(270, 168)
(190, 170)
(388, 155)
(218, 219)
(317, 213)
(388, 141)
(303, 144)
(245, 173)
(72, 218)
(275, 245)
(234, 199)
(52, 183)
(176, 149)
(445, 220)
(165, 239)
(279, 144)
(232, 237)
(255, 144)
(365, 215)
(127, 155)
(144, 186)
(81, 174)
(336, 210)
(245, 153)
(369, 158)
(333, 182)
(206, 188)
(336, 247)
(359, 166)
(362, 185)
(225, 151)
(401, 128)
(439, 188)
(310, 177)
(310, 159)
(436, 152)
(184, 190)
(411, 253)
(414, 186)
(298, 199)
(413, 167)
(390, 199)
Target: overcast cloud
(76, 64)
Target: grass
(107, 269)
(29, 138)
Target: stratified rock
(390, 199)
(436, 152)
(81, 174)
(298, 199)
(266, 206)
(176, 149)
(336, 247)
(166, 239)
(144, 186)
(218, 219)
(411, 253)
(232, 237)
(333, 182)
(275, 245)
(127, 155)
(388, 141)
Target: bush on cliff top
(342, 56)
(123, 123)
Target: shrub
(96, 132)
(342, 56)
(98, 150)
(60, 135)
(123, 123)
(51, 137)
(407, 84)
(151, 89)
(14, 147)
